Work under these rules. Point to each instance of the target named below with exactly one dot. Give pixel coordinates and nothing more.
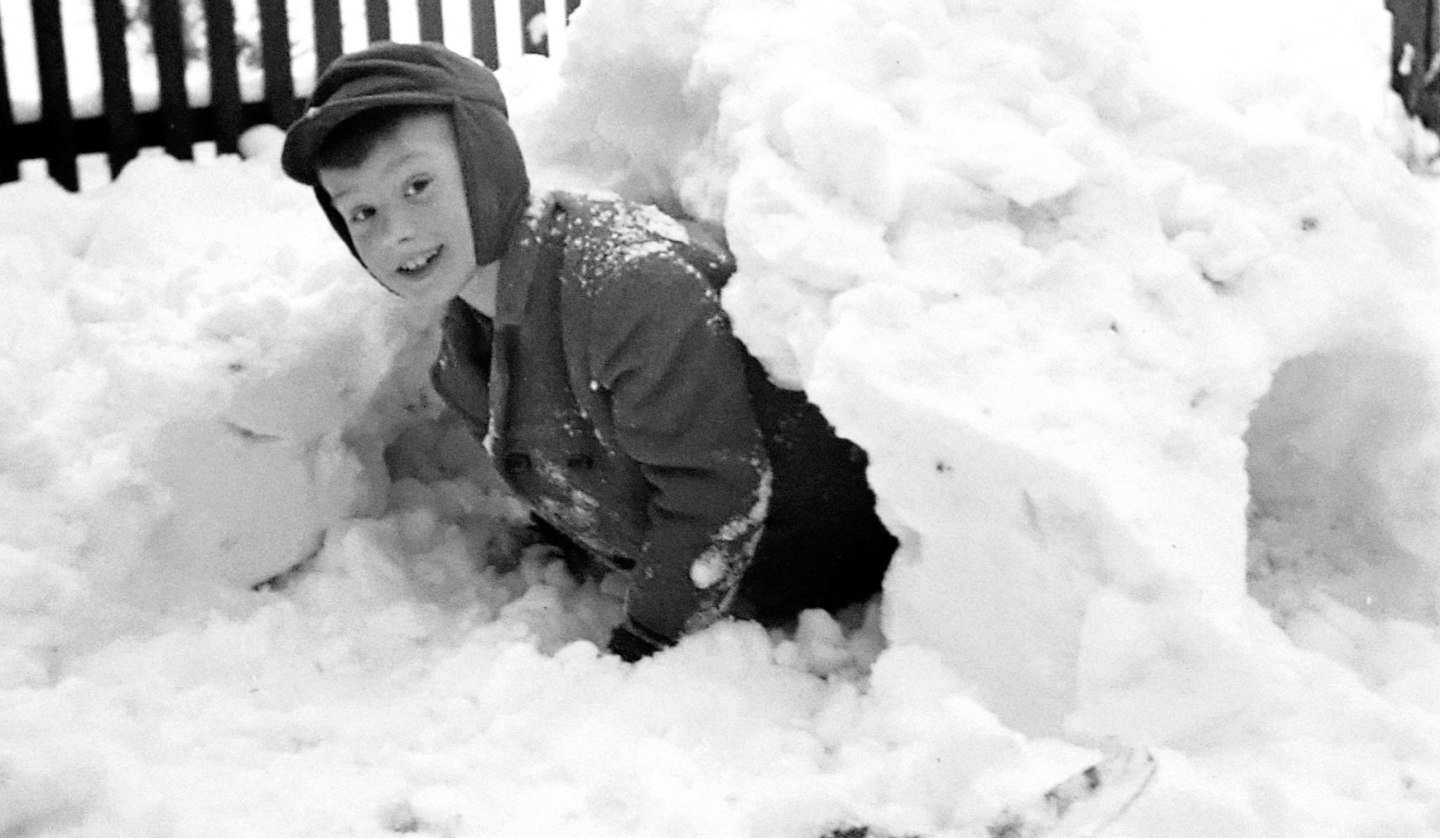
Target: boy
(585, 343)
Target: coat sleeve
(674, 374)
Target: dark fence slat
(224, 75)
(9, 166)
(432, 20)
(328, 39)
(55, 112)
(1407, 39)
(167, 31)
(115, 93)
(377, 20)
(482, 22)
(1414, 39)
(1428, 94)
(275, 59)
(529, 10)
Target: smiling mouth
(420, 263)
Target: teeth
(416, 264)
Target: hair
(349, 143)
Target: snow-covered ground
(1132, 305)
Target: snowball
(262, 141)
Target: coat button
(516, 462)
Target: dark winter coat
(616, 403)
(620, 407)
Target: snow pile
(1140, 352)
(182, 376)
(1127, 341)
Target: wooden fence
(119, 131)
(1415, 57)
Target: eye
(417, 186)
(360, 215)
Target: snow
(1132, 307)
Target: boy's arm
(675, 376)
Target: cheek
(368, 250)
(466, 234)
(459, 225)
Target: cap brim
(304, 138)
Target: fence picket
(9, 166)
(225, 103)
(327, 33)
(118, 102)
(55, 111)
(167, 35)
(1414, 42)
(275, 61)
(377, 20)
(432, 20)
(482, 21)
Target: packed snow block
(244, 505)
(1007, 505)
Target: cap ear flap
(496, 182)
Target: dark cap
(383, 75)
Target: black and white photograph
(719, 419)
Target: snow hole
(1344, 470)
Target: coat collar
(517, 269)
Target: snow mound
(186, 380)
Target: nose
(401, 227)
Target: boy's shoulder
(602, 227)
(608, 214)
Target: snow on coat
(616, 403)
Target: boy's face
(406, 210)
